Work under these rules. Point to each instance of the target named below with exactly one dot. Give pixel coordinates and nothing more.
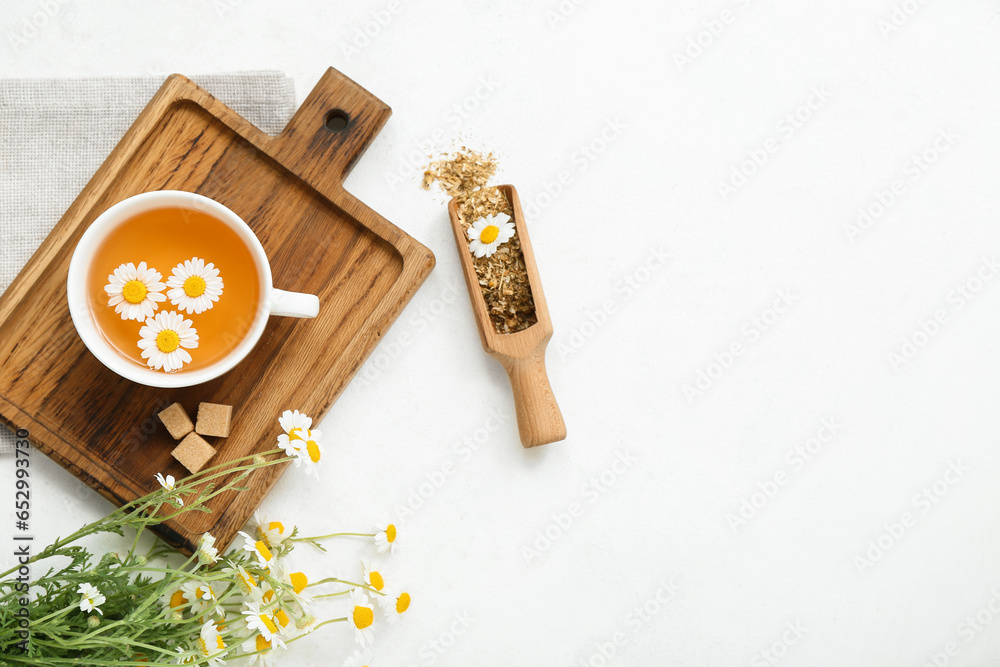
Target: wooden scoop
(522, 354)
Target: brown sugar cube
(177, 421)
(213, 419)
(193, 452)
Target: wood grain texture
(319, 240)
(522, 354)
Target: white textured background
(655, 559)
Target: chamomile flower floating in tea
(194, 286)
(134, 291)
(488, 233)
(164, 338)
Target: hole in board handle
(336, 120)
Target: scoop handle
(539, 419)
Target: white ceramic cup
(272, 301)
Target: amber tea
(173, 289)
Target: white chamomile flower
(194, 286)
(262, 622)
(207, 553)
(308, 452)
(299, 441)
(266, 656)
(184, 657)
(297, 582)
(173, 600)
(134, 291)
(394, 605)
(168, 485)
(210, 644)
(385, 538)
(272, 533)
(164, 338)
(201, 596)
(244, 580)
(362, 617)
(488, 233)
(360, 659)
(90, 598)
(373, 577)
(293, 420)
(258, 549)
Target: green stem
(39, 621)
(151, 498)
(323, 537)
(331, 595)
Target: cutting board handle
(539, 419)
(330, 131)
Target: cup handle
(294, 304)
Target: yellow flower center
(489, 234)
(268, 595)
(219, 644)
(134, 291)
(281, 617)
(363, 617)
(198, 593)
(263, 551)
(247, 581)
(177, 599)
(313, 449)
(194, 286)
(375, 579)
(299, 581)
(390, 533)
(295, 434)
(262, 644)
(167, 341)
(276, 525)
(268, 623)
(402, 603)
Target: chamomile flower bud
(304, 621)
(93, 621)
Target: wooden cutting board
(319, 239)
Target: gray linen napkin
(55, 133)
